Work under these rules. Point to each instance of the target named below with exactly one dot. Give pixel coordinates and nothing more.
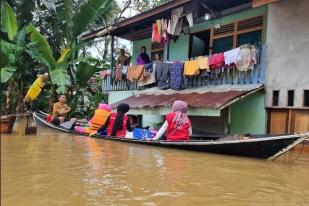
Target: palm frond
(65, 12)
(88, 13)
(39, 48)
(6, 73)
(60, 77)
(8, 20)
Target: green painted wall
(180, 49)
(137, 48)
(249, 115)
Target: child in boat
(117, 123)
(177, 125)
(99, 118)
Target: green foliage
(88, 13)
(83, 73)
(61, 78)
(39, 48)
(6, 73)
(65, 12)
(8, 20)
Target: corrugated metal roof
(209, 99)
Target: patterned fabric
(175, 70)
(136, 72)
(149, 76)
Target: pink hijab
(105, 107)
(180, 108)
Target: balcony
(225, 76)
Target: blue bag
(141, 133)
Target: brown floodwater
(52, 168)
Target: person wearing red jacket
(117, 123)
(177, 125)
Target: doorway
(199, 44)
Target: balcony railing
(229, 76)
(225, 76)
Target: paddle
(69, 124)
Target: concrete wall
(249, 115)
(288, 50)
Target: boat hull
(262, 147)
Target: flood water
(52, 168)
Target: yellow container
(35, 89)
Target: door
(278, 121)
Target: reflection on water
(60, 169)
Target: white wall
(288, 50)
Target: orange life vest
(98, 119)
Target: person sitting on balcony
(117, 123)
(123, 60)
(177, 125)
(158, 58)
(143, 58)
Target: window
(223, 44)
(253, 38)
(290, 98)
(306, 98)
(275, 97)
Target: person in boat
(143, 58)
(117, 123)
(98, 119)
(133, 122)
(177, 125)
(158, 58)
(60, 110)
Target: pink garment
(180, 109)
(80, 129)
(216, 61)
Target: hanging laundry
(216, 61)
(230, 57)
(176, 21)
(203, 62)
(155, 34)
(244, 58)
(162, 75)
(150, 78)
(191, 68)
(124, 70)
(118, 73)
(164, 34)
(159, 26)
(136, 72)
(190, 19)
(176, 71)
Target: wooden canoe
(261, 146)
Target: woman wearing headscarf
(117, 123)
(143, 58)
(99, 118)
(177, 125)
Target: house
(273, 97)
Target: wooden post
(112, 51)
